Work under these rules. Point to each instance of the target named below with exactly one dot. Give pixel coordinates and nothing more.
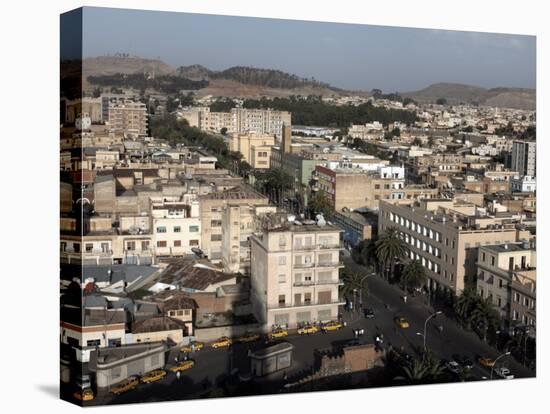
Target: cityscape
(241, 230)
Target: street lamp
(433, 315)
(500, 356)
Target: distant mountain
(516, 98)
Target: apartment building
(525, 184)
(239, 120)
(239, 222)
(424, 169)
(211, 212)
(445, 236)
(524, 157)
(176, 225)
(295, 273)
(506, 275)
(255, 148)
(129, 117)
(354, 187)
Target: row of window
(418, 228)
(176, 243)
(177, 229)
(419, 244)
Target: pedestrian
(178, 375)
(345, 324)
(176, 359)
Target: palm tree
(417, 373)
(354, 282)
(433, 365)
(368, 253)
(463, 306)
(414, 275)
(390, 247)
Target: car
(504, 372)
(84, 395)
(486, 362)
(308, 329)
(152, 376)
(465, 362)
(453, 367)
(331, 326)
(249, 337)
(183, 366)
(401, 322)
(369, 313)
(223, 342)
(277, 334)
(126, 385)
(193, 346)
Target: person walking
(178, 375)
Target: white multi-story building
(295, 274)
(525, 184)
(175, 225)
(524, 154)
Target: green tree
(320, 203)
(390, 247)
(416, 373)
(413, 276)
(441, 101)
(355, 285)
(417, 142)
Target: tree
(320, 204)
(417, 142)
(441, 101)
(223, 131)
(416, 373)
(390, 247)
(430, 141)
(414, 275)
(354, 284)
(477, 313)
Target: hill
(454, 93)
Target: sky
(349, 56)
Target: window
(281, 299)
(180, 313)
(282, 241)
(177, 229)
(282, 260)
(145, 245)
(492, 260)
(193, 229)
(215, 223)
(161, 229)
(93, 342)
(187, 312)
(89, 247)
(307, 277)
(177, 243)
(216, 237)
(193, 242)
(500, 283)
(282, 278)
(307, 298)
(131, 245)
(483, 256)
(161, 243)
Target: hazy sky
(349, 56)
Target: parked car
(126, 385)
(197, 346)
(277, 334)
(249, 337)
(453, 367)
(504, 372)
(331, 326)
(84, 395)
(369, 313)
(183, 366)
(153, 376)
(401, 322)
(223, 342)
(308, 329)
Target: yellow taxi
(223, 342)
(486, 362)
(308, 329)
(126, 385)
(153, 376)
(183, 366)
(84, 395)
(277, 333)
(331, 326)
(401, 322)
(197, 346)
(249, 337)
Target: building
(211, 211)
(129, 117)
(239, 222)
(445, 236)
(175, 225)
(256, 148)
(295, 273)
(524, 157)
(356, 227)
(506, 276)
(525, 184)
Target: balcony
(304, 304)
(330, 246)
(301, 248)
(317, 283)
(330, 264)
(304, 265)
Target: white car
(453, 366)
(504, 372)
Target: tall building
(445, 236)
(295, 273)
(524, 157)
(506, 276)
(128, 117)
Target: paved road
(214, 365)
